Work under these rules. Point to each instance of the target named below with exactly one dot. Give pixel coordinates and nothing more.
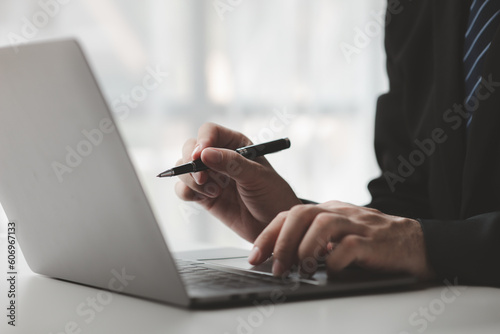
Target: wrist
(420, 264)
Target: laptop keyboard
(195, 275)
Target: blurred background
(310, 70)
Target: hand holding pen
(244, 194)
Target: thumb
(231, 164)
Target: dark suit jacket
(453, 189)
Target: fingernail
(197, 178)
(278, 268)
(212, 156)
(195, 151)
(254, 256)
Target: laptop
(82, 216)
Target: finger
(214, 135)
(187, 152)
(353, 249)
(209, 189)
(187, 194)
(264, 244)
(187, 149)
(295, 227)
(233, 165)
(326, 228)
(200, 177)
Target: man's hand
(246, 195)
(342, 234)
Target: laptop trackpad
(242, 263)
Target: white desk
(47, 305)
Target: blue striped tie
(484, 19)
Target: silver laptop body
(67, 182)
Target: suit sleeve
(466, 250)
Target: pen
(250, 152)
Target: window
(309, 70)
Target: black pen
(250, 152)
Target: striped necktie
(484, 19)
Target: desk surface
(47, 305)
